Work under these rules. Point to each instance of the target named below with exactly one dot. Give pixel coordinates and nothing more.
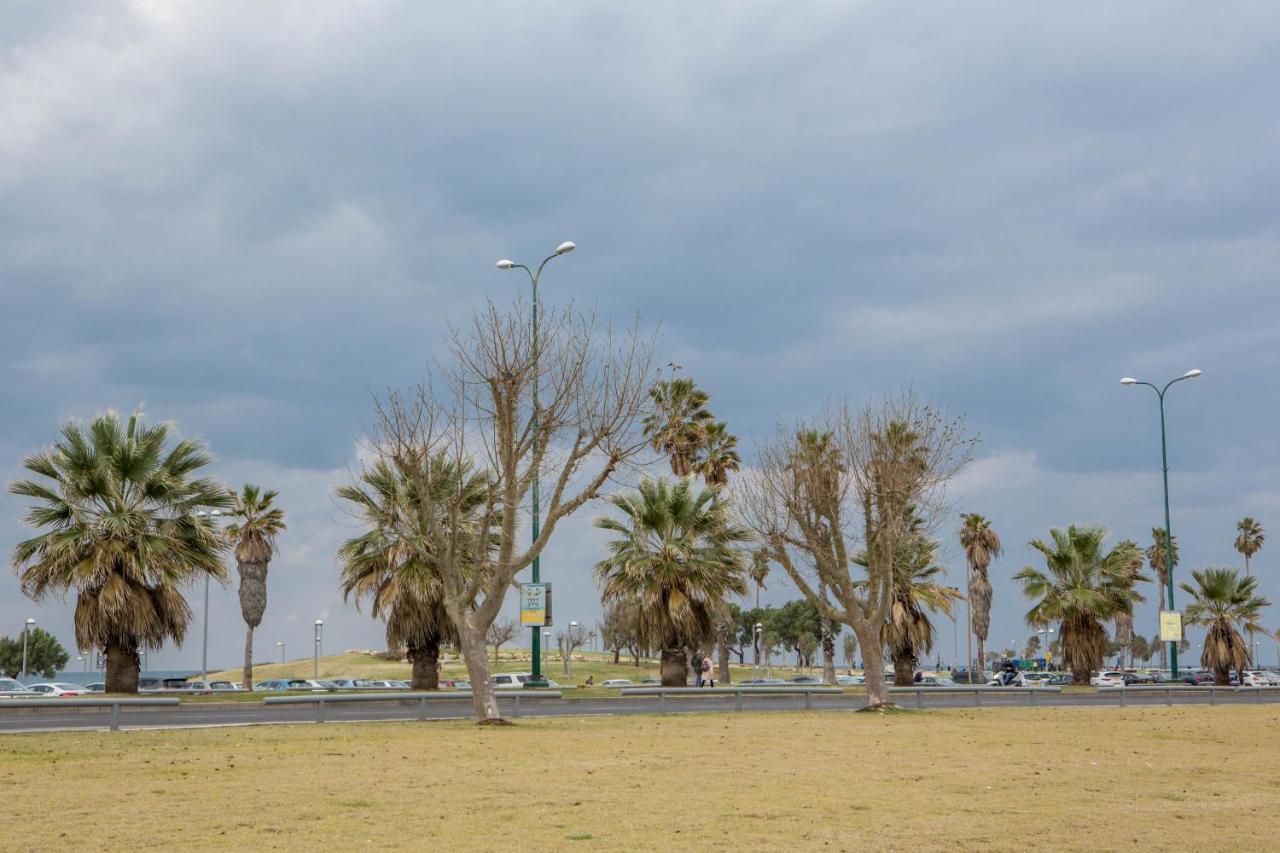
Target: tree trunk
(426, 669)
(1222, 677)
(981, 671)
(723, 667)
(616, 654)
(484, 698)
(247, 677)
(674, 668)
(873, 664)
(904, 666)
(828, 654)
(122, 668)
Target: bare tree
(591, 389)
(568, 640)
(618, 630)
(850, 476)
(501, 632)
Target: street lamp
(315, 657)
(536, 679)
(546, 645)
(569, 640)
(1047, 634)
(1168, 529)
(204, 652)
(26, 631)
(281, 645)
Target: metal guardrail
(322, 699)
(977, 691)
(113, 704)
(1169, 689)
(737, 692)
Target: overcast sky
(244, 216)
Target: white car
(59, 688)
(514, 680)
(1255, 678)
(617, 682)
(212, 686)
(1109, 678)
(11, 688)
(386, 684)
(1036, 679)
(850, 680)
(1273, 678)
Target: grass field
(1081, 779)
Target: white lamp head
(31, 620)
(565, 248)
(1192, 374)
(1128, 380)
(319, 621)
(505, 264)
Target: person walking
(707, 675)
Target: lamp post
(281, 645)
(319, 642)
(1047, 634)
(955, 635)
(569, 639)
(759, 629)
(536, 679)
(546, 646)
(26, 631)
(204, 651)
(1168, 530)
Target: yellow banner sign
(1170, 626)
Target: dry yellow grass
(1078, 779)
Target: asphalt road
(247, 713)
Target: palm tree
(678, 422)
(917, 590)
(718, 454)
(1221, 599)
(759, 571)
(1083, 588)
(981, 545)
(118, 511)
(389, 569)
(674, 552)
(1249, 539)
(254, 534)
(1157, 556)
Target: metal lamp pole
(1168, 531)
(281, 645)
(204, 651)
(319, 641)
(26, 631)
(536, 679)
(1047, 633)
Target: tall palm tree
(1157, 556)
(673, 551)
(719, 456)
(1249, 539)
(389, 568)
(677, 424)
(118, 510)
(981, 545)
(254, 534)
(1084, 587)
(759, 571)
(1221, 599)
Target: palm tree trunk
(723, 665)
(248, 658)
(122, 668)
(982, 663)
(1252, 647)
(904, 665)
(674, 668)
(426, 670)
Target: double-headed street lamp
(26, 632)
(536, 679)
(1168, 530)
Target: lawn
(1083, 779)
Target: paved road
(252, 713)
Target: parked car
(280, 684)
(1107, 678)
(352, 683)
(651, 680)
(806, 679)
(11, 688)
(96, 687)
(321, 685)
(935, 681)
(454, 684)
(388, 684)
(617, 682)
(850, 680)
(1273, 678)
(211, 686)
(763, 682)
(1255, 678)
(58, 689)
(1036, 679)
(514, 680)
(1197, 678)
(1060, 680)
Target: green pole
(1168, 531)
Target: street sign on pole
(1170, 626)
(535, 605)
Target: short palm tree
(674, 552)
(1084, 587)
(1221, 599)
(387, 566)
(981, 545)
(677, 424)
(254, 533)
(719, 456)
(1157, 556)
(118, 510)
(1249, 539)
